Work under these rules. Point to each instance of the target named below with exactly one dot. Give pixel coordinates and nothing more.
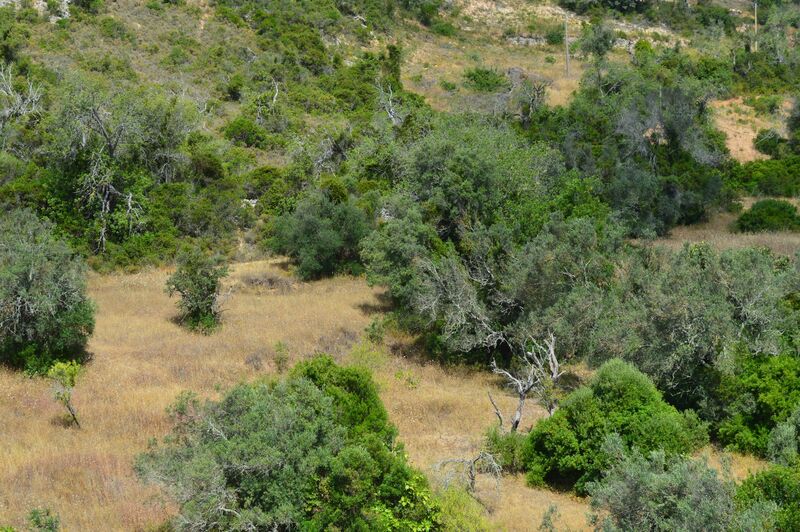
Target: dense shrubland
(489, 228)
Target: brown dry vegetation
(142, 360)
(741, 123)
(717, 232)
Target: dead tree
(466, 470)
(387, 101)
(16, 104)
(538, 372)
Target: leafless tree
(538, 372)
(392, 108)
(448, 294)
(466, 470)
(16, 104)
(97, 189)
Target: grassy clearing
(717, 232)
(741, 124)
(142, 360)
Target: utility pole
(566, 42)
(755, 43)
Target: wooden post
(755, 43)
(566, 42)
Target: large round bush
(769, 215)
(567, 448)
(45, 314)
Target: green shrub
(554, 35)
(566, 448)
(669, 493)
(197, 280)
(770, 142)
(45, 314)
(779, 485)
(765, 104)
(449, 86)
(762, 393)
(772, 177)
(484, 79)
(306, 453)
(43, 520)
(769, 215)
(462, 512)
(444, 28)
(507, 448)
(243, 130)
(321, 236)
(115, 29)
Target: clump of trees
(566, 449)
(197, 279)
(313, 451)
(659, 492)
(45, 313)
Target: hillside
(399, 265)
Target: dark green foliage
(567, 448)
(484, 79)
(280, 455)
(245, 131)
(355, 397)
(197, 280)
(770, 142)
(624, 6)
(779, 485)
(762, 394)
(773, 177)
(769, 215)
(322, 236)
(669, 493)
(45, 314)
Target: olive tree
(45, 314)
(658, 492)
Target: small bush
(243, 130)
(554, 35)
(566, 448)
(762, 394)
(770, 142)
(769, 215)
(44, 520)
(443, 28)
(197, 280)
(506, 448)
(669, 493)
(449, 86)
(312, 452)
(484, 79)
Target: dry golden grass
(741, 123)
(717, 232)
(142, 360)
